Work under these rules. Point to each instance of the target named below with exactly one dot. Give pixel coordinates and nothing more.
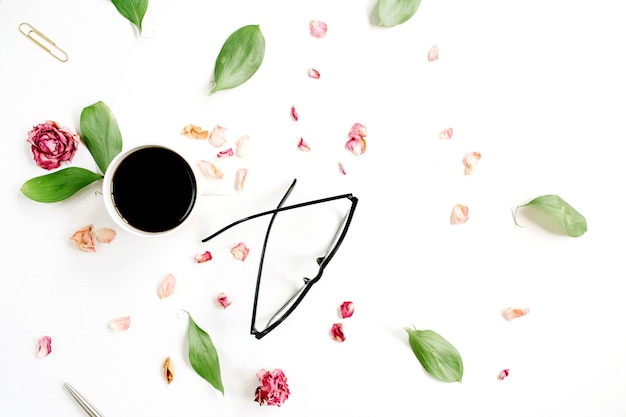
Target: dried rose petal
(342, 169)
(357, 131)
(273, 388)
(217, 137)
(356, 146)
(446, 133)
(471, 160)
(210, 169)
(166, 288)
(52, 144)
(223, 300)
(313, 73)
(121, 323)
(84, 239)
(318, 28)
(433, 53)
(243, 146)
(503, 374)
(513, 313)
(347, 309)
(303, 146)
(460, 214)
(203, 257)
(294, 114)
(226, 154)
(195, 132)
(105, 235)
(44, 346)
(240, 251)
(337, 332)
(168, 370)
(242, 175)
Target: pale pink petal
(503, 374)
(337, 332)
(226, 153)
(242, 176)
(294, 114)
(243, 146)
(203, 257)
(318, 28)
(313, 73)
(121, 323)
(513, 313)
(167, 286)
(356, 146)
(218, 136)
(105, 235)
(460, 214)
(44, 346)
(303, 146)
(446, 133)
(357, 131)
(240, 251)
(342, 169)
(433, 53)
(347, 309)
(470, 161)
(223, 300)
(84, 239)
(210, 169)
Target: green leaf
(438, 357)
(203, 356)
(240, 57)
(569, 219)
(101, 134)
(58, 185)
(396, 12)
(133, 10)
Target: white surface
(537, 87)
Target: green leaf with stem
(101, 134)
(133, 10)
(203, 355)
(395, 12)
(568, 217)
(58, 185)
(439, 358)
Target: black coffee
(154, 189)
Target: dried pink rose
(446, 133)
(210, 169)
(105, 235)
(273, 388)
(84, 239)
(318, 28)
(460, 214)
(240, 251)
(203, 257)
(226, 153)
(433, 53)
(121, 323)
(217, 137)
(223, 300)
(337, 332)
(242, 176)
(303, 146)
(44, 346)
(166, 288)
(243, 146)
(52, 144)
(313, 73)
(294, 114)
(503, 374)
(347, 309)
(471, 160)
(513, 313)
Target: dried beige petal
(217, 137)
(240, 251)
(242, 175)
(471, 160)
(460, 214)
(243, 146)
(513, 313)
(167, 286)
(84, 239)
(195, 132)
(105, 235)
(210, 169)
(168, 370)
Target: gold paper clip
(43, 41)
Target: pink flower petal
(357, 131)
(294, 114)
(243, 146)
(513, 313)
(218, 136)
(446, 133)
(210, 169)
(84, 239)
(356, 146)
(223, 300)
(471, 160)
(303, 146)
(203, 257)
(226, 153)
(503, 374)
(167, 286)
(460, 214)
(347, 309)
(273, 388)
(242, 175)
(342, 169)
(318, 28)
(337, 332)
(44, 346)
(433, 53)
(121, 323)
(313, 73)
(240, 251)
(105, 235)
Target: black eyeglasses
(292, 302)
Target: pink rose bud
(347, 309)
(203, 257)
(52, 144)
(273, 388)
(337, 332)
(44, 346)
(84, 239)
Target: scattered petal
(223, 300)
(433, 53)
(226, 154)
(167, 286)
(503, 374)
(318, 28)
(273, 388)
(357, 131)
(203, 257)
(242, 175)
(356, 146)
(347, 309)
(243, 146)
(195, 132)
(513, 313)
(460, 214)
(105, 235)
(44, 346)
(168, 370)
(240, 251)
(446, 133)
(303, 146)
(342, 169)
(121, 323)
(218, 136)
(337, 332)
(84, 239)
(210, 169)
(294, 114)
(470, 161)
(313, 73)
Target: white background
(537, 87)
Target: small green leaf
(58, 185)
(438, 357)
(133, 10)
(101, 134)
(396, 12)
(571, 221)
(240, 57)
(203, 356)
